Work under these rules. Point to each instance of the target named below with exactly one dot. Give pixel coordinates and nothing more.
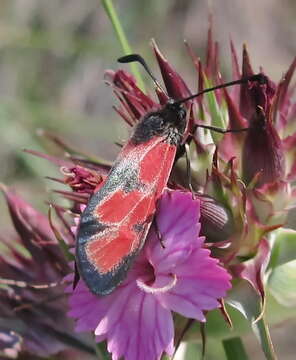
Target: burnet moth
(114, 225)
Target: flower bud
(262, 152)
(216, 221)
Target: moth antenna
(261, 78)
(138, 58)
(221, 131)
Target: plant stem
(261, 330)
(234, 349)
(111, 12)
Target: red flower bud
(262, 151)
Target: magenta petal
(137, 326)
(175, 208)
(87, 308)
(118, 302)
(200, 282)
(165, 259)
(177, 220)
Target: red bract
(175, 85)
(133, 100)
(36, 236)
(262, 140)
(263, 144)
(32, 302)
(82, 180)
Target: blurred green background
(53, 54)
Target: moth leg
(158, 233)
(188, 168)
(76, 276)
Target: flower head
(172, 274)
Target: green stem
(261, 330)
(101, 351)
(111, 12)
(234, 349)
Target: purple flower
(180, 276)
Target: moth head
(174, 114)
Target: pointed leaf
(217, 113)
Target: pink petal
(174, 208)
(177, 220)
(200, 282)
(136, 326)
(165, 259)
(86, 307)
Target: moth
(115, 223)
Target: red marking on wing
(117, 206)
(107, 251)
(113, 246)
(153, 162)
(143, 210)
(124, 211)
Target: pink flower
(136, 319)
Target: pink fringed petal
(200, 282)
(137, 326)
